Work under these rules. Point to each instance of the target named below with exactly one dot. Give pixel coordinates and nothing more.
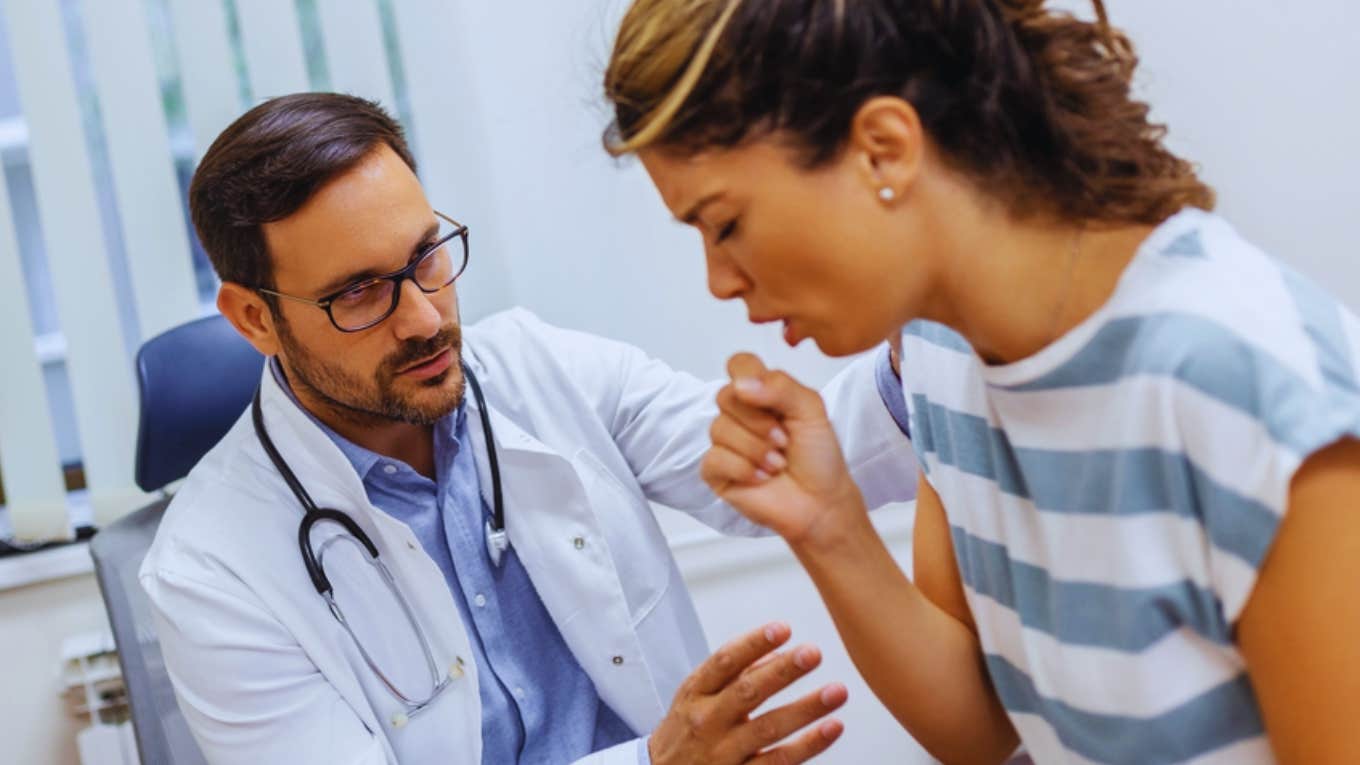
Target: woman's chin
(837, 345)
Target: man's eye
(357, 294)
(727, 230)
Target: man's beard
(366, 401)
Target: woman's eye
(726, 230)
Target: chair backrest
(195, 381)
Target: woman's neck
(1012, 287)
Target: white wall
(1262, 93)
(35, 728)
(1265, 95)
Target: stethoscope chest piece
(497, 542)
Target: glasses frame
(396, 277)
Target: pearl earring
(887, 194)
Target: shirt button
(579, 543)
(389, 468)
(480, 600)
(519, 693)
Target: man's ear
(246, 310)
(889, 145)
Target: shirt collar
(364, 460)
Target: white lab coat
(588, 431)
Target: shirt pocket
(635, 543)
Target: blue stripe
(938, 334)
(1213, 360)
(1099, 482)
(1219, 717)
(1322, 320)
(1187, 245)
(1085, 613)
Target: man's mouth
(428, 366)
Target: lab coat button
(399, 720)
(579, 543)
(410, 545)
(618, 661)
(456, 669)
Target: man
(523, 605)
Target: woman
(1135, 538)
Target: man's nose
(416, 315)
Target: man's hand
(710, 720)
(775, 457)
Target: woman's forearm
(922, 663)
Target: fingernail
(833, 695)
(762, 476)
(805, 658)
(773, 631)
(779, 437)
(830, 729)
(775, 461)
(747, 385)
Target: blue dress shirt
(538, 706)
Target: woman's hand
(775, 457)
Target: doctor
(373, 567)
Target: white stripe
(212, 96)
(1042, 743)
(29, 462)
(355, 57)
(1237, 287)
(272, 40)
(1252, 751)
(1129, 551)
(1176, 669)
(1352, 326)
(144, 181)
(1141, 412)
(99, 368)
(946, 377)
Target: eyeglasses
(367, 302)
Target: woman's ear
(248, 313)
(889, 145)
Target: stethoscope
(497, 542)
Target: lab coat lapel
(557, 538)
(331, 481)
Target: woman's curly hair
(1032, 104)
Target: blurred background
(105, 106)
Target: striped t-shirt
(1112, 497)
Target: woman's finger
(723, 467)
(762, 422)
(730, 434)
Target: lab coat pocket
(634, 541)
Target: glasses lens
(437, 267)
(363, 304)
